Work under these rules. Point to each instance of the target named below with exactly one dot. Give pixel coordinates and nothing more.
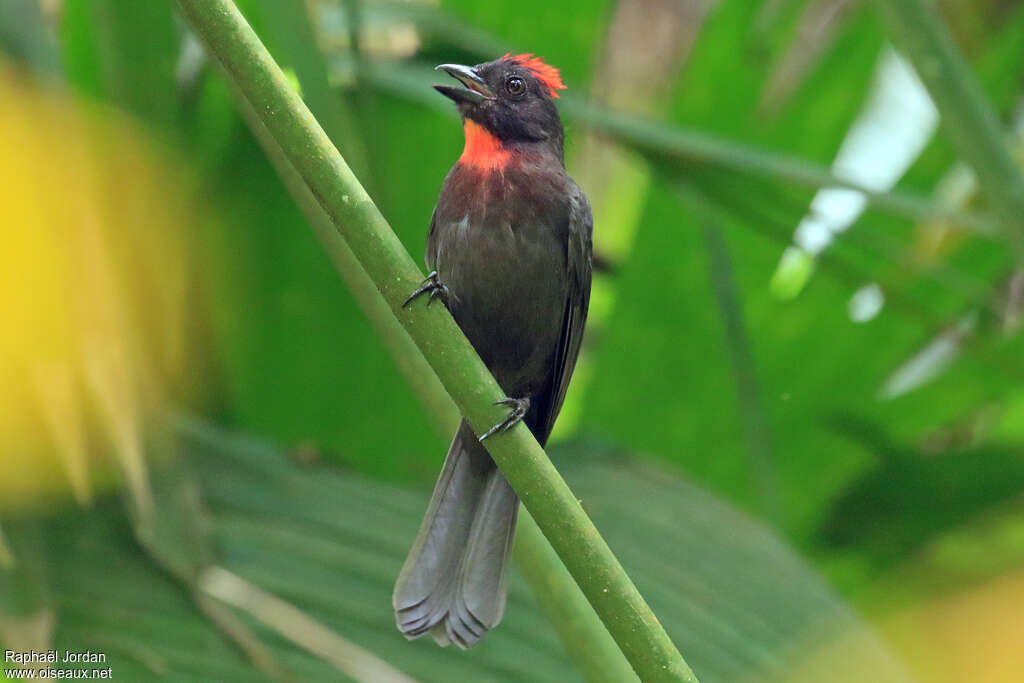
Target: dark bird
(510, 250)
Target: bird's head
(511, 99)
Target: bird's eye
(515, 86)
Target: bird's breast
(499, 244)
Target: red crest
(546, 74)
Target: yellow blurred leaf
(972, 635)
(93, 283)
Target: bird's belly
(509, 290)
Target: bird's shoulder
(580, 213)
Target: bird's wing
(579, 266)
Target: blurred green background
(805, 443)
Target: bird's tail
(453, 582)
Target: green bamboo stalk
(410, 361)
(584, 637)
(967, 117)
(741, 356)
(523, 462)
(588, 643)
(678, 148)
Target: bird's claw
(519, 407)
(433, 286)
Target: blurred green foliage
(860, 484)
(330, 543)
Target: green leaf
(813, 363)
(330, 544)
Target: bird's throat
(483, 151)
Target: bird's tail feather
(453, 582)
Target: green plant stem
(967, 117)
(410, 362)
(588, 643)
(741, 357)
(584, 636)
(523, 462)
(677, 148)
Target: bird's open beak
(476, 90)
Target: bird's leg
(434, 287)
(519, 407)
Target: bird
(509, 252)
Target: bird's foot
(433, 286)
(519, 407)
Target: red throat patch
(483, 150)
(546, 74)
